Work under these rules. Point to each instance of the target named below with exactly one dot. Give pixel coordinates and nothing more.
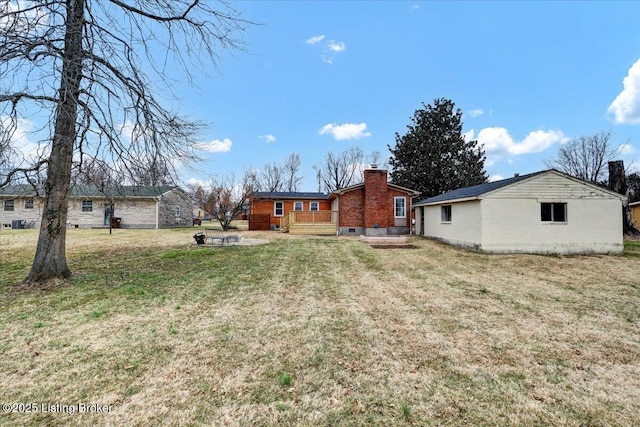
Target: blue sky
(323, 76)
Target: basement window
(445, 213)
(87, 206)
(9, 205)
(553, 212)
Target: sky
(323, 76)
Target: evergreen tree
(433, 156)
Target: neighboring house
(546, 212)
(373, 207)
(90, 207)
(635, 213)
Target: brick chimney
(376, 201)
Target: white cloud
(268, 138)
(215, 146)
(336, 47)
(415, 7)
(330, 48)
(315, 39)
(468, 136)
(625, 149)
(496, 177)
(21, 144)
(345, 131)
(626, 107)
(475, 113)
(498, 143)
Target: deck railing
(308, 217)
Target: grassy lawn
(318, 331)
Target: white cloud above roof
(626, 107)
(497, 142)
(475, 113)
(345, 131)
(215, 146)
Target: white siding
(19, 213)
(551, 186)
(464, 228)
(514, 225)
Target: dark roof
(93, 191)
(476, 190)
(288, 195)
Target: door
(108, 213)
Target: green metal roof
(116, 191)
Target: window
(400, 204)
(445, 213)
(87, 206)
(278, 208)
(176, 209)
(8, 205)
(553, 212)
(314, 206)
(298, 206)
(28, 203)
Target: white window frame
(177, 210)
(6, 207)
(314, 204)
(295, 204)
(30, 199)
(275, 208)
(86, 206)
(404, 206)
(446, 214)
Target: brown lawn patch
(318, 331)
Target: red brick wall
(265, 206)
(373, 204)
(391, 219)
(376, 198)
(351, 208)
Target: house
(91, 207)
(268, 209)
(635, 213)
(545, 212)
(373, 207)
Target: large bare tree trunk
(50, 261)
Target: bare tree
(340, 170)
(281, 176)
(271, 178)
(85, 62)
(291, 172)
(586, 157)
(223, 198)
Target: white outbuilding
(546, 212)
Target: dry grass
(319, 331)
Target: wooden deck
(323, 223)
